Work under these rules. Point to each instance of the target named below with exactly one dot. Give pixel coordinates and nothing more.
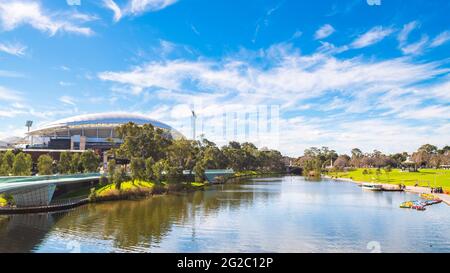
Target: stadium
(91, 131)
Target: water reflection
(261, 215)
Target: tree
(7, 163)
(199, 170)
(341, 162)
(149, 162)
(90, 161)
(143, 141)
(137, 167)
(158, 168)
(75, 164)
(120, 176)
(111, 170)
(45, 165)
(64, 164)
(22, 165)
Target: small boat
(418, 207)
(372, 187)
(427, 196)
(407, 204)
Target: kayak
(418, 207)
(407, 204)
(428, 196)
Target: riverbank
(412, 189)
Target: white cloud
(15, 13)
(110, 4)
(9, 95)
(15, 49)
(10, 74)
(68, 100)
(373, 36)
(324, 31)
(136, 7)
(417, 47)
(387, 92)
(441, 39)
(140, 6)
(402, 37)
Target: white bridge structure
(35, 191)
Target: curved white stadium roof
(111, 119)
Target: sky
(289, 74)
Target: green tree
(120, 176)
(199, 170)
(137, 168)
(7, 163)
(111, 170)
(89, 161)
(64, 164)
(22, 165)
(159, 168)
(149, 162)
(75, 164)
(45, 165)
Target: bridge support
(34, 196)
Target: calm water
(261, 215)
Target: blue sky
(342, 74)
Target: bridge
(33, 191)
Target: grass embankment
(124, 187)
(3, 202)
(424, 177)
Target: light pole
(194, 119)
(28, 124)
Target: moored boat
(372, 187)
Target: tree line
(153, 156)
(315, 159)
(17, 163)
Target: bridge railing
(18, 179)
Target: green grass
(424, 177)
(125, 186)
(3, 201)
(197, 184)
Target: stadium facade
(91, 131)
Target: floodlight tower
(28, 124)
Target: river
(279, 214)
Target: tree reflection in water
(127, 224)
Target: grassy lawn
(105, 190)
(197, 184)
(2, 201)
(425, 177)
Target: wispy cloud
(110, 4)
(324, 31)
(15, 13)
(15, 49)
(68, 100)
(136, 7)
(10, 74)
(7, 94)
(371, 37)
(417, 47)
(403, 35)
(441, 39)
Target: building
(91, 131)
